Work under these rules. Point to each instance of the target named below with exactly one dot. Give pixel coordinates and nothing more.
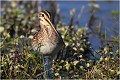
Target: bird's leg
(60, 55)
(47, 66)
(44, 66)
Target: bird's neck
(49, 28)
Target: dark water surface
(105, 8)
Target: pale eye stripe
(46, 12)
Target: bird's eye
(42, 15)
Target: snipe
(48, 39)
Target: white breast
(48, 48)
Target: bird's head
(44, 17)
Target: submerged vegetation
(80, 60)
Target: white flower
(66, 43)
(78, 44)
(31, 37)
(81, 49)
(101, 58)
(80, 56)
(33, 30)
(75, 48)
(22, 36)
(88, 64)
(56, 74)
(1, 29)
(75, 62)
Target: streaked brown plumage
(48, 40)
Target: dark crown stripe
(47, 13)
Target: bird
(47, 40)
